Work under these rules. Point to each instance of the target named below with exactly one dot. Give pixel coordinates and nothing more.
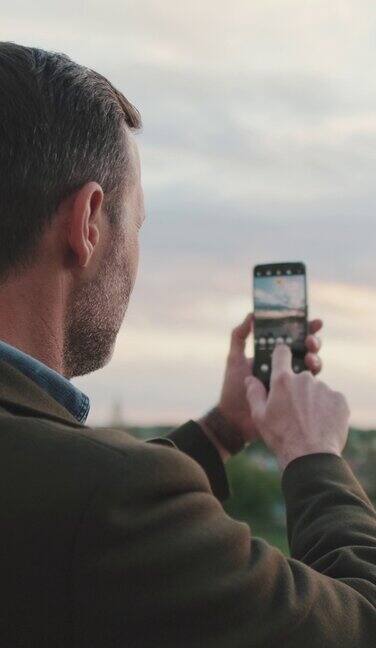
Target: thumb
(240, 334)
(256, 397)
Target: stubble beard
(96, 312)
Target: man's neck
(30, 322)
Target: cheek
(133, 254)
(136, 245)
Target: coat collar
(21, 395)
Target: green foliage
(256, 492)
(256, 498)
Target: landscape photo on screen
(280, 308)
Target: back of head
(61, 125)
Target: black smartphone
(280, 314)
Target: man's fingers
(313, 363)
(281, 360)
(240, 333)
(313, 343)
(256, 396)
(315, 325)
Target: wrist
(223, 453)
(223, 435)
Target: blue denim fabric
(59, 387)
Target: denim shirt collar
(59, 387)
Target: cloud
(259, 145)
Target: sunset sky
(258, 145)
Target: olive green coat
(109, 541)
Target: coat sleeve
(191, 439)
(158, 563)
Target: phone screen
(280, 310)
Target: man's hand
(301, 415)
(233, 404)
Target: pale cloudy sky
(259, 145)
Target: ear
(84, 221)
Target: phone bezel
(297, 268)
(293, 265)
